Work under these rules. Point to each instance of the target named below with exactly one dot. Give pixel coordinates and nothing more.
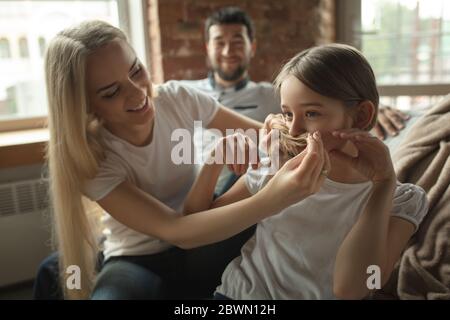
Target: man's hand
(390, 121)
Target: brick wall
(283, 28)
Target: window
(42, 46)
(30, 25)
(407, 43)
(5, 51)
(23, 48)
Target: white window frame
(348, 24)
(133, 20)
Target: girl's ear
(364, 115)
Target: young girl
(360, 220)
(110, 140)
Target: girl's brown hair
(336, 71)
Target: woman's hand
(373, 159)
(301, 176)
(237, 151)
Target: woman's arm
(296, 180)
(143, 213)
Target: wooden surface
(21, 148)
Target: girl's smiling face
(305, 110)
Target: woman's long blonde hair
(74, 149)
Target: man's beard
(233, 76)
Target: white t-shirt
(292, 254)
(150, 167)
(252, 99)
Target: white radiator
(24, 229)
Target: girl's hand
(237, 151)
(373, 159)
(301, 176)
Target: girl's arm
(377, 238)
(236, 193)
(201, 195)
(400, 232)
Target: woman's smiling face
(305, 110)
(119, 88)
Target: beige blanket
(424, 159)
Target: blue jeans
(157, 276)
(46, 284)
(172, 274)
(219, 296)
(229, 182)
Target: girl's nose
(296, 129)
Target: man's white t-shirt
(150, 167)
(292, 254)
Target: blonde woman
(110, 140)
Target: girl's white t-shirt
(150, 167)
(292, 254)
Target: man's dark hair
(229, 15)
